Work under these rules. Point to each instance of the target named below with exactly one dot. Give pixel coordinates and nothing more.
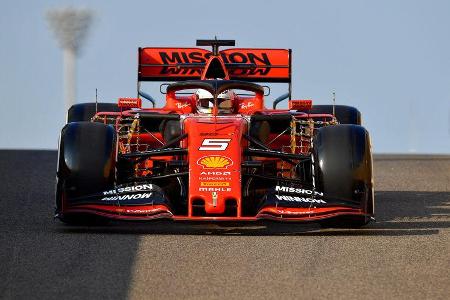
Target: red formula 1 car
(215, 152)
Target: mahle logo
(215, 162)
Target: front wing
(148, 202)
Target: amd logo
(215, 173)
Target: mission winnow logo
(261, 61)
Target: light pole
(70, 26)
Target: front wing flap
(139, 202)
(148, 202)
(304, 205)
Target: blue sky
(391, 59)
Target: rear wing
(247, 64)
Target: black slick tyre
(85, 111)
(344, 114)
(86, 163)
(343, 170)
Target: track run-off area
(404, 255)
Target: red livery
(214, 151)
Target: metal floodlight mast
(70, 26)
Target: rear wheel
(86, 163)
(85, 111)
(343, 169)
(344, 114)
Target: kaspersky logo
(215, 162)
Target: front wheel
(343, 170)
(86, 164)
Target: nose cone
(215, 152)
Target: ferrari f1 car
(214, 151)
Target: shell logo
(215, 162)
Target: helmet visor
(224, 104)
(206, 102)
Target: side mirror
(279, 99)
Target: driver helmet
(205, 102)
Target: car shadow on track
(398, 214)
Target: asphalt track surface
(405, 254)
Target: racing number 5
(214, 144)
